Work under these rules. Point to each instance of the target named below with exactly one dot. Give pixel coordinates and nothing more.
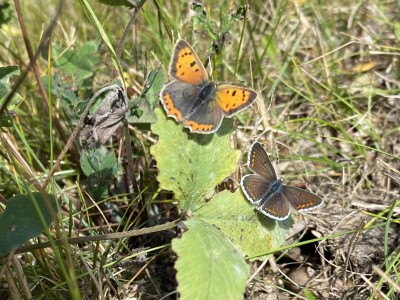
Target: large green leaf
(209, 266)
(25, 217)
(254, 233)
(191, 165)
(7, 72)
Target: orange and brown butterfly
(194, 100)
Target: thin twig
(109, 236)
(32, 64)
(43, 41)
(128, 27)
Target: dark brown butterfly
(268, 193)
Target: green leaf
(142, 107)
(210, 27)
(5, 74)
(233, 16)
(99, 161)
(73, 106)
(142, 112)
(309, 295)
(152, 88)
(254, 233)
(8, 71)
(5, 12)
(209, 266)
(201, 19)
(5, 88)
(79, 62)
(22, 219)
(100, 166)
(191, 165)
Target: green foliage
(74, 76)
(328, 84)
(77, 62)
(143, 107)
(72, 104)
(5, 74)
(209, 265)
(152, 86)
(191, 166)
(103, 34)
(209, 26)
(5, 12)
(254, 233)
(25, 217)
(100, 165)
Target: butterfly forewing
(276, 207)
(186, 66)
(301, 199)
(174, 97)
(259, 162)
(254, 187)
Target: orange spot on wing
(305, 205)
(252, 160)
(172, 111)
(194, 126)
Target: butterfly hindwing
(276, 207)
(206, 118)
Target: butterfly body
(194, 100)
(274, 188)
(269, 194)
(206, 92)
